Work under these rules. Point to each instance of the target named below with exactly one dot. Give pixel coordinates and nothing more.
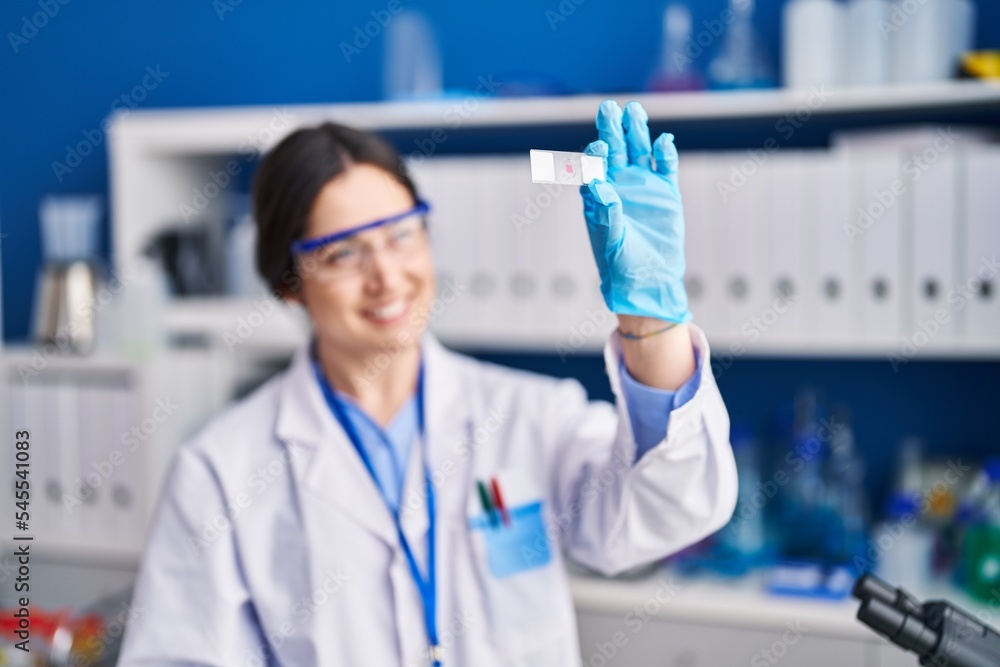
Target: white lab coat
(271, 530)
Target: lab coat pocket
(521, 583)
(516, 545)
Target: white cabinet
(102, 430)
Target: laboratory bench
(659, 618)
(668, 620)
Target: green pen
(484, 498)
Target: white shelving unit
(162, 161)
(190, 385)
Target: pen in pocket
(498, 497)
(484, 498)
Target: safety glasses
(348, 252)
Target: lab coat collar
(336, 474)
(305, 419)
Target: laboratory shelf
(84, 553)
(228, 130)
(812, 347)
(170, 167)
(238, 321)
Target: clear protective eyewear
(345, 253)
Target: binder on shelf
(879, 199)
(833, 289)
(705, 272)
(93, 488)
(125, 484)
(39, 421)
(498, 283)
(932, 272)
(449, 185)
(548, 219)
(110, 514)
(65, 452)
(785, 247)
(982, 244)
(532, 259)
(743, 197)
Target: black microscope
(939, 632)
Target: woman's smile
(388, 313)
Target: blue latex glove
(635, 218)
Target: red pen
(501, 505)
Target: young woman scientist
(339, 517)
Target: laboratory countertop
(740, 602)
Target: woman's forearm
(663, 361)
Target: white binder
(784, 248)
(553, 241)
(705, 275)
(743, 213)
(39, 421)
(932, 273)
(982, 244)
(108, 435)
(490, 243)
(504, 282)
(879, 201)
(833, 289)
(125, 485)
(449, 185)
(93, 487)
(65, 449)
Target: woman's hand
(636, 226)
(635, 218)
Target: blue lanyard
(426, 585)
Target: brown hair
(290, 178)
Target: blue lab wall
(63, 80)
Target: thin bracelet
(631, 336)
